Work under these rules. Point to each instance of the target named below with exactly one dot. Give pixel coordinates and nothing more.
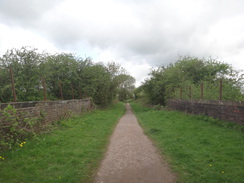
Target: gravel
(131, 156)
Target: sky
(137, 34)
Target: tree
(164, 82)
(5, 85)
(126, 87)
(78, 77)
(61, 69)
(25, 65)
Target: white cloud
(138, 69)
(16, 38)
(137, 34)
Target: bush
(15, 127)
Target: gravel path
(131, 156)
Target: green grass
(71, 153)
(197, 149)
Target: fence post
(202, 91)
(80, 93)
(60, 88)
(72, 89)
(220, 89)
(169, 94)
(180, 93)
(12, 81)
(190, 95)
(44, 88)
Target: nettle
(15, 127)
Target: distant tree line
(78, 78)
(191, 73)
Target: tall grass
(198, 149)
(70, 153)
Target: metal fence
(44, 88)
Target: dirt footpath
(131, 157)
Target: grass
(197, 149)
(71, 153)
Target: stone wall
(232, 111)
(51, 110)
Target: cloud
(141, 33)
(24, 12)
(18, 38)
(138, 70)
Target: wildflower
(21, 144)
(223, 172)
(210, 165)
(1, 157)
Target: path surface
(131, 156)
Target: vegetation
(16, 127)
(71, 153)
(78, 78)
(198, 148)
(166, 82)
(126, 88)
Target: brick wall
(51, 110)
(232, 111)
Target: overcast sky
(138, 34)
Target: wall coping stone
(217, 102)
(18, 105)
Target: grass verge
(71, 153)
(197, 149)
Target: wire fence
(206, 91)
(44, 89)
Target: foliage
(126, 88)
(71, 153)
(24, 63)
(198, 148)
(66, 76)
(15, 127)
(60, 69)
(165, 82)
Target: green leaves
(165, 82)
(25, 64)
(64, 73)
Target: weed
(15, 127)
